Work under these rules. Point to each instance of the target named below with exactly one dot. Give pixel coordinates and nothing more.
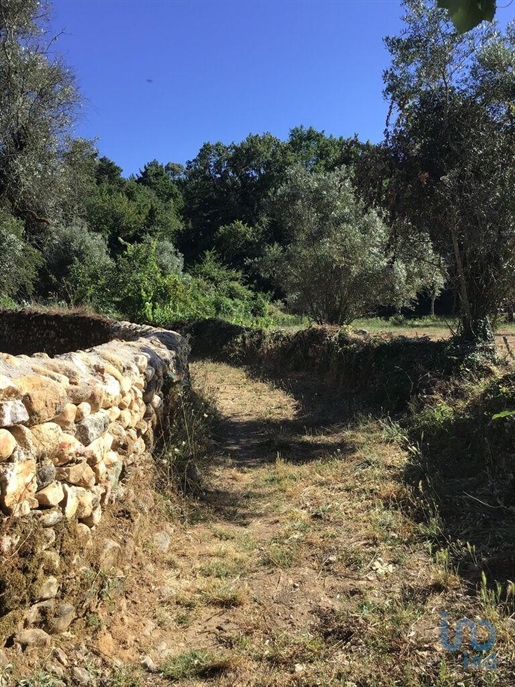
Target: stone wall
(69, 424)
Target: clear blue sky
(221, 69)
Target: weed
(94, 621)
(225, 596)
(196, 664)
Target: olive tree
(38, 104)
(452, 154)
(338, 264)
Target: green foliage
(140, 284)
(77, 266)
(38, 105)
(18, 261)
(467, 14)
(337, 265)
(452, 186)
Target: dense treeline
(334, 227)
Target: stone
(85, 505)
(42, 397)
(149, 665)
(17, 481)
(100, 471)
(118, 434)
(79, 393)
(62, 380)
(125, 418)
(138, 446)
(80, 676)
(92, 427)
(83, 535)
(8, 390)
(94, 518)
(111, 553)
(12, 413)
(69, 449)
(48, 589)
(61, 657)
(55, 670)
(45, 474)
(66, 419)
(33, 638)
(48, 538)
(62, 619)
(125, 402)
(47, 437)
(126, 384)
(22, 508)
(114, 414)
(95, 452)
(113, 474)
(112, 391)
(83, 411)
(112, 458)
(96, 398)
(80, 475)
(50, 560)
(51, 495)
(7, 443)
(141, 362)
(71, 501)
(157, 401)
(37, 613)
(162, 541)
(51, 518)
(25, 439)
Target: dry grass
(312, 564)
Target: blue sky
(221, 69)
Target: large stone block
(92, 427)
(12, 413)
(42, 397)
(17, 482)
(80, 475)
(7, 444)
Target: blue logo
(488, 662)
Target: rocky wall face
(69, 427)
(69, 424)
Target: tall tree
(38, 104)
(452, 155)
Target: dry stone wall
(71, 423)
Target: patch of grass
(128, 676)
(281, 554)
(197, 664)
(220, 569)
(285, 648)
(224, 596)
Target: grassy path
(303, 563)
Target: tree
(467, 14)
(38, 104)
(338, 264)
(452, 155)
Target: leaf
(466, 14)
(505, 413)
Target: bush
(77, 266)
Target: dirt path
(303, 561)
(298, 565)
